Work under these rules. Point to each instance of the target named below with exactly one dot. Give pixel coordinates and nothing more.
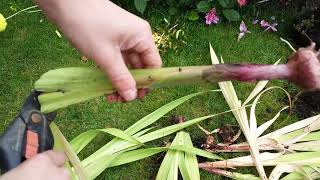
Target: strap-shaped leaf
(72, 156)
(117, 144)
(196, 151)
(85, 138)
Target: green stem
(66, 86)
(23, 10)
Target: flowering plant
(3, 20)
(3, 23)
(195, 9)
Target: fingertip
(129, 94)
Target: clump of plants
(201, 8)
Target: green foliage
(119, 150)
(193, 16)
(194, 9)
(231, 14)
(140, 5)
(227, 3)
(203, 6)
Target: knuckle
(145, 25)
(157, 63)
(123, 83)
(121, 78)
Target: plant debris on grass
(128, 145)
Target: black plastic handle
(13, 141)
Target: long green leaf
(302, 173)
(85, 138)
(117, 144)
(154, 116)
(135, 155)
(169, 164)
(191, 160)
(72, 156)
(184, 169)
(306, 146)
(149, 137)
(170, 129)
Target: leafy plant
(186, 161)
(124, 148)
(296, 145)
(140, 5)
(195, 9)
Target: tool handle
(38, 136)
(27, 135)
(11, 145)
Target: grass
(30, 47)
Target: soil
(306, 25)
(198, 143)
(227, 133)
(307, 105)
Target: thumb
(113, 64)
(58, 158)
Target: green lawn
(30, 47)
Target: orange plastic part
(32, 144)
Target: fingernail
(129, 95)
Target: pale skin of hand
(47, 165)
(109, 35)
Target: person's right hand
(47, 165)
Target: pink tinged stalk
(253, 72)
(212, 17)
(303, 69)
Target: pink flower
(243, 30)
(212, 17)
(254, 22)
(242, 2)
(267, 26)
